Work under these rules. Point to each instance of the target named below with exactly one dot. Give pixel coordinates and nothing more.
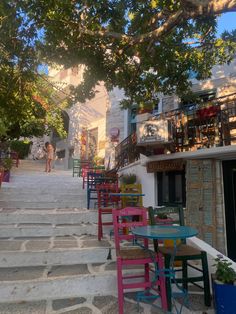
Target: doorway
(229, 176)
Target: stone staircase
(53, 254)
(50, 258)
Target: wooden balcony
(194, 127)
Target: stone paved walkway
(40, 204)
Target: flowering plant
(224, 272)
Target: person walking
(49, 156)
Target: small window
(171, 188)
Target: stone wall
(204, 201)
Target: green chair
(184, 254)
(76, 167)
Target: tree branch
(189, 9)
(164, 29)
(208, 7)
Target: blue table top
(126, 194)
(165, 232)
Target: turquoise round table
(165, 232)
(162, 233)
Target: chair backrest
(103, 191)
(100, 167)
(76, 162)
(93, 178)
(132, 188)
(175, 213)
(125, 219)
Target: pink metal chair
(106, 204)
(133, 255)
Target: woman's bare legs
(48, 165)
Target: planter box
(6, 176)
(164, 221)
(224, 297)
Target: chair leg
(206, 283)
(100, 231)
(88, 199)
(146, 270)
(162, 283)
(120, 287)
(168, 283)
(185, 274)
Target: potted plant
(224, 286)
(128, 178)
(6, 163)
(163, 219)
(145, 107)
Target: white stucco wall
(101, 125)
(146, 179)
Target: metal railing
(194, 127)
(127, 151)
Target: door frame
(229, 182)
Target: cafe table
(174, 233)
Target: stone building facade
(208, 178)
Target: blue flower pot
(224, 296)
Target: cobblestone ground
(31, 190)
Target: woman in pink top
(49, 156)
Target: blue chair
(93, 179)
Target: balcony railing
(194, 127)
(127, 151)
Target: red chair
(132, 255)
(106, 204)
(1, 175)
(84, 173)
(15, 158)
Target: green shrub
(128, 178)
(21, 147)
(6, 163)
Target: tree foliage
(142, 46)
(26, 101)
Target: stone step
(54, 251)
(52, 282)
(13, 196)
(36, 204)
(101, 304)
(60, 216)
(46, 230)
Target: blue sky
(227, 22)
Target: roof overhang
(219, 153)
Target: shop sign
(154, 132)
(114, 134)
(165, 165)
